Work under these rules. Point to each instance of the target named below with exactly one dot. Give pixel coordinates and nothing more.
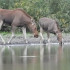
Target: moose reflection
(18, 18)
(50, 26)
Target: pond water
(35, 57)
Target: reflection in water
(25, 58)
(51, 59)
(1, 63)
(41, 57)
(34, 57)
(1, 56)
(59, 57)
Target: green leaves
(56, 9)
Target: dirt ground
(19, 39)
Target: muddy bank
(19, 39)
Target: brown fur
(51, 26)
(24, 12)
(18, 17)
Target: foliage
(56, 9)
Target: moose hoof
(44, 42)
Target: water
(38, 57)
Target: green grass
(4, 33)
(16, 33)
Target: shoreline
(19, 39)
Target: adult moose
(50, 26)
(18, 18)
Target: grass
(17, 33)
(4, 33)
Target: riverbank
(19, 39)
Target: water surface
(35, 57)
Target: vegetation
(56, 9)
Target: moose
(50, 26)
(17, 18)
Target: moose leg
(1, 22)
(59, 38)
(13, 33)
(48, 35)
(41, 36)
(24, 33)
(11, 37)
(2, 39)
